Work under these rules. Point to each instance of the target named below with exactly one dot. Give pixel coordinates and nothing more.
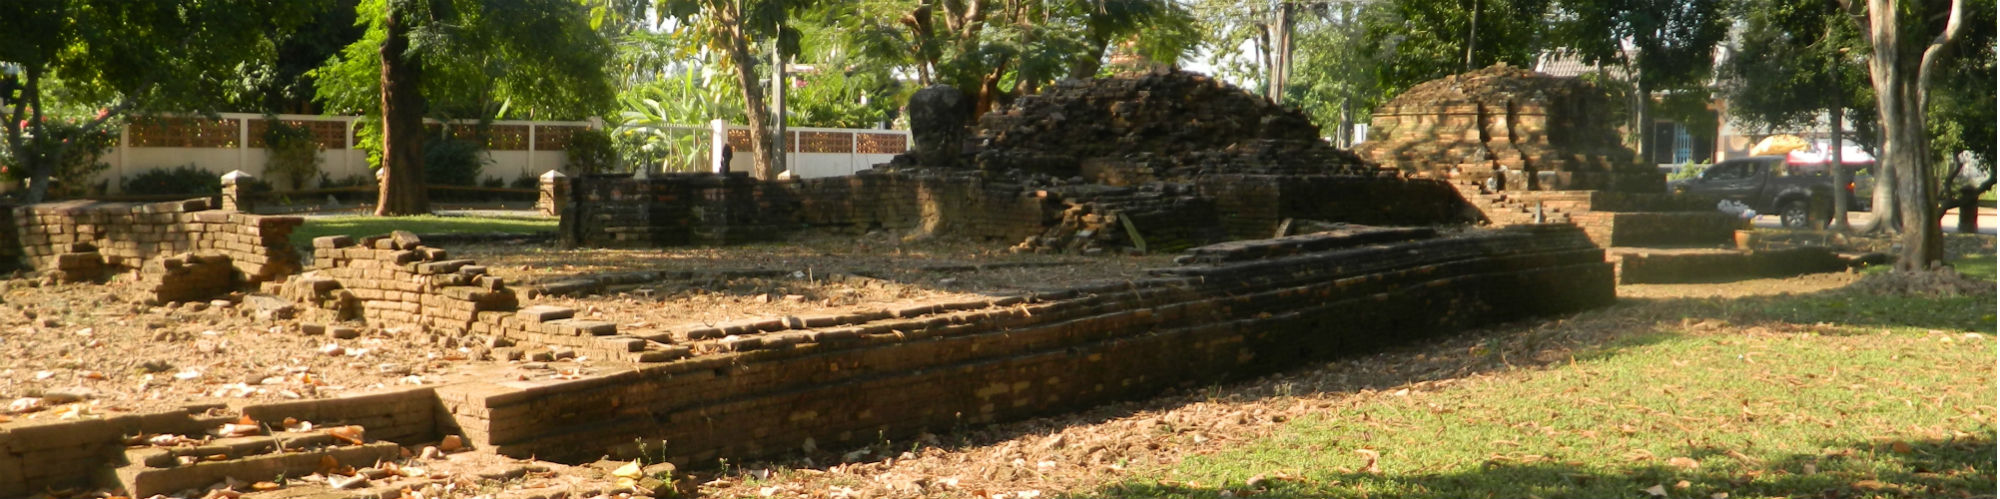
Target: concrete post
(718, 136)
(236, 191)
(555, 193)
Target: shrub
(452, 162)
(590, 151)
(291, 153)
(185, 180)
(526, 181)
(79, 163)
(493, 182)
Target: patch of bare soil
(74, 350)
(78, 349)
(816, 275)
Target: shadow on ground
(1929, 468)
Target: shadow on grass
(1929, 468)
(1546, 343)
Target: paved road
(1987, 220)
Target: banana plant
(665, 122)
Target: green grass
(1978, 265)
(1835, 394)
(362, 226)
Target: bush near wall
(187, 179)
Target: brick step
(168, 470)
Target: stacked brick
(67, 236)
(1179, 125)
(187, 277)
(396, 280)
(760, 387)
(1548, 133)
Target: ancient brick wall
(394, 281)
(711, 209)
(80, 238)
(1548, 133)
(38, 456)
(763, 388)
(708, 209)
(1252, 206)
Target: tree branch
(1935, 52)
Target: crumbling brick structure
(394, 281)
(1156, 161)
(1534, 131)
(84, 240)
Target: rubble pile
(1172, 125)
(1531, 130)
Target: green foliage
(835, 98)
(453, 162)
(1673, 40)
(1330, 81)
(83, 145)
(1418, 40)
(645, 133)
(172, 55)
(187, 180)
(290, 152)
(1797, 59)
(530, 59)
(1017, 45)
(1687, 171)
(590, 151)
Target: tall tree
(1673, 40)
(732, 27)
(1909, 43)
(1418, 40)
(484, 58)
(121, 57)
(1794, 60)
(996, 50)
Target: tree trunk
(1899, 96)
(402, 187)
(754, 107)
(1838, 169)
(39, 166)
(1968, 210)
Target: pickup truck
(1800, 194)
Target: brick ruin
(1154, 161)
(1534, 131)
(184, 250)
(761, 387)
(1112, 165)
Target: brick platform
(766, 388)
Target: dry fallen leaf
(1371, 456)
(1656, 490)
(1901, 447)
(1682, 462)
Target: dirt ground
(77, 350)
(73, 350)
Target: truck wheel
(1794, 214)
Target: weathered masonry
(760, 388)
(1239, 309)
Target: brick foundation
(763, 390)
(81, 240)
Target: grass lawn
(1833, 394)
(362, 226)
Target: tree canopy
(102, 59)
